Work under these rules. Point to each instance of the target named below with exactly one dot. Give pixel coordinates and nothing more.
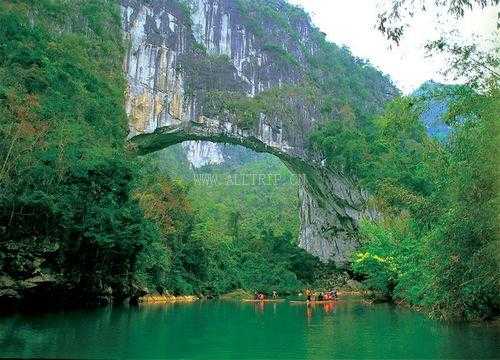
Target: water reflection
(229, 330)
(328, 308)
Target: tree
(392, 21)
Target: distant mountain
(434, 98)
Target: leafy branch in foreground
(467, 61)
(391, 21)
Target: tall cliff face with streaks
(257, 74)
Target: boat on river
(263, 300)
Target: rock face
(192, 76)
(201, 153)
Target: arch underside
(330, 205)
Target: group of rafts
(311, 297)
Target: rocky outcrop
(27, 271)
(208, 73)
(33, 275)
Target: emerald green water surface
(233, 330)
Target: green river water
(234, 330)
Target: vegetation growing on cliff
(68, 221)
(336, 79)
(436, 245)
(79, 217)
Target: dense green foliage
(240, 232)
(81, 218)
(65, 207)
(436, 244)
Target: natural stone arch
(330, 205)
(177, 64)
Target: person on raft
(308, 294)
(275, 295)
(330, 295)
(259, 296)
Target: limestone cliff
(257, 74)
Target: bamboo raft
(263, 301)
(166, 299)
